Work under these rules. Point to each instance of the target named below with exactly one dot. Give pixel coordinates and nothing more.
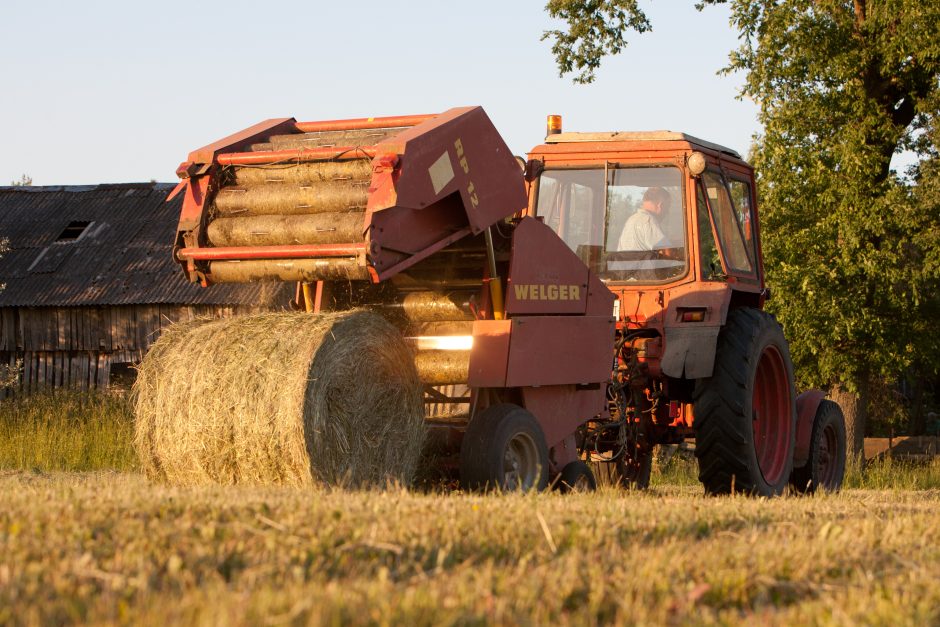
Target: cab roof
(627, 136)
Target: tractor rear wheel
(825, 466)
(504, 449)
(745, 413)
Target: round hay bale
(280, 398)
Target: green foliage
(595, 28)
(844, 236)
(66, 431)
(888, 473)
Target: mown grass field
(106, 547)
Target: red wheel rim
(773, 422)
(828, 452)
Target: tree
(852, 248)
(24, 181)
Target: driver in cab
(642, 230)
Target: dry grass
(280, 398)
(67, 431)
(111, 548)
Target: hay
(251, 270)
(280, 398)
(427, 306)
(443, 367)
(325, 139)
(292, 199)
(352, 170)
(319, 228)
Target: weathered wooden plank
(75, 341)
(86, 366)
(27, 371)
(104, 370)
(41, 370)
(48, 377)
(88, 334)
(57, 370)
(75, 370)
(91, 371)
(8, 339)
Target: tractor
(569, 311)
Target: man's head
(656, 201)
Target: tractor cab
(649, 208)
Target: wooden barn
(89, 282)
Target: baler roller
(426, 306)
(306, 270)
(443, 367)
(355, 170)
(399, 187)
(278, 230)
(324, 139)
(285, 199)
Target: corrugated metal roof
(122, 258)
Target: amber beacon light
(553, 125)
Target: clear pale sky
(108, 92)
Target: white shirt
(642, 232)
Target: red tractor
(567, 315)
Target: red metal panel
(362, 123)
(557, 350)
(489, 354)
(806, 405)
(243, 139)
(272, 252)
(194, 197)
(459, 151)
(561, 409)
(545, 276)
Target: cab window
(629, 227)
(709, 259)
(728, 224)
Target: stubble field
(107, 547)
(112, 548)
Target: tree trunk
(855, 409)
(918, 424)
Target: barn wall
(75, 347)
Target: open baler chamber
(361, 199)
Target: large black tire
(825, 466)
(576, 477)
(745, 413)
(504, 449)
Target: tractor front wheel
(504, 449)
(745, 413)
(576, 477)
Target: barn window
(122, 376)
(73, 231)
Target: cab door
(727, 236)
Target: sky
(114, 92)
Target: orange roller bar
(297, 154)
(355, 124)
(271, 252)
